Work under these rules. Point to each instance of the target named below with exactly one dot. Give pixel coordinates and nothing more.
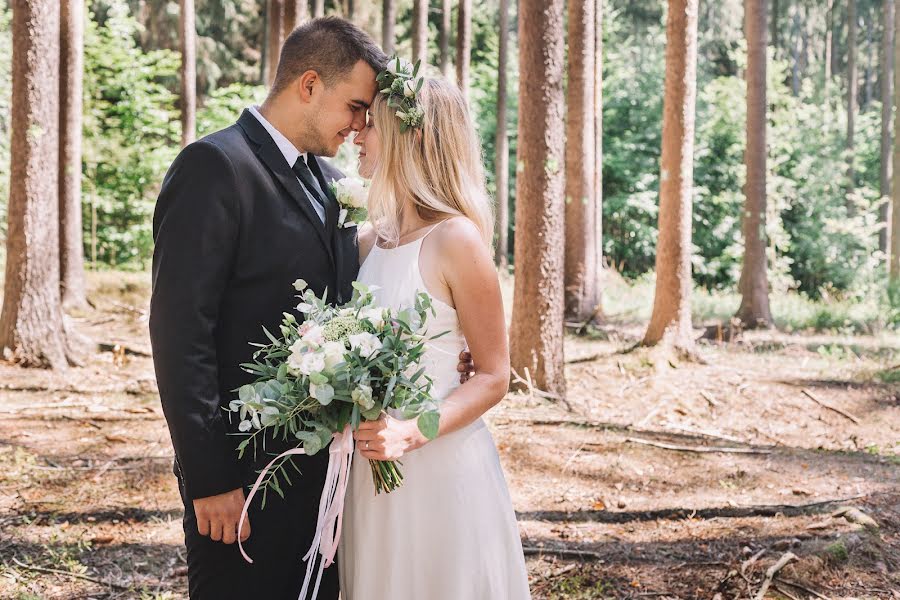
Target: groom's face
(341, 110)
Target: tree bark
(829, 32)
(868, 75)
(446, 63)
(501, 143)
(388, 20)
(71, 246)
(836, 28)
(295, 13)
(319, 8)
(598, 143)
(775, 26)
(31, 321)
(795, 52)
(894, 245)
(464, 45)
(754, 284)
(670, 321)
(851, 100)
(887, 99)
(420, 31)
(188, 37)
(581, 271)
(536, 335)
(275, 18)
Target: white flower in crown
(399, 66)
(410, 88)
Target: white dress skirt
(449, 532)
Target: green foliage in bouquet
(338, 367)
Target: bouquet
(340, 366)
(352, 195)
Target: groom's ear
(308, 84)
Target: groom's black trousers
(280, 536)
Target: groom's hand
(466, 366)
(218, 516)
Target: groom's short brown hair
(331, 47)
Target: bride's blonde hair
(438, 165)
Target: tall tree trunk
(598, 142)
(754, 283)
(851, 100)
(446, 63)
(795, 51)
(894, 244)
(71, 67)
(829, 32)
(188, 38)
(670, 321)
(581, 272)
(868, 75)
(464, 45)
(501, 143)
(887, 99)
(775, 26)
(31, 321)
(536, 334)
(275, 18)
(295, 13)
(388, 20)
(420, 31)
(319, 8)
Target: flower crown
(401, 84)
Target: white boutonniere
(352, 195)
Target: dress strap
(433, 227)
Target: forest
(697, 230)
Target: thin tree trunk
(868, 76)
(31, 321)
(775, 26)
(670, 321)
(319, 8)
(296, 12)
(581, 273)
(894, 243)
(275, 15)
(829, 32)
(501, 162)
(71, 245)
(188, 38)
(851, 100)
(795, 52)
(420, 31)
(446, 63)
(754, 283)
(464, 45)
(598, 145)
(887, 99)
(388, 20)
(536, 334)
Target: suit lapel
(331, 215)
(272, 157)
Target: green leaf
(429, 423)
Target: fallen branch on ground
(111, 584)
(702, 449)
(561, 553)
(800, 587)
(772, 571)
(121, 348)
(823, 404)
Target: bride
(449, 532)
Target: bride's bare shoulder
(458, 240)
(365, 239)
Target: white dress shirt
(291, 154)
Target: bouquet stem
(386, 476)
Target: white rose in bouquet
(334, 354)
(367, 343)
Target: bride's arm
(468, 271)
(365, 239)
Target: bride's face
(369, 149)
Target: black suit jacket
(233, 229)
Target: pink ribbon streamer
(331, 507)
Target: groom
(241, 215)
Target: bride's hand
(388, 438)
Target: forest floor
(659, 479)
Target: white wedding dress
(449, 532)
